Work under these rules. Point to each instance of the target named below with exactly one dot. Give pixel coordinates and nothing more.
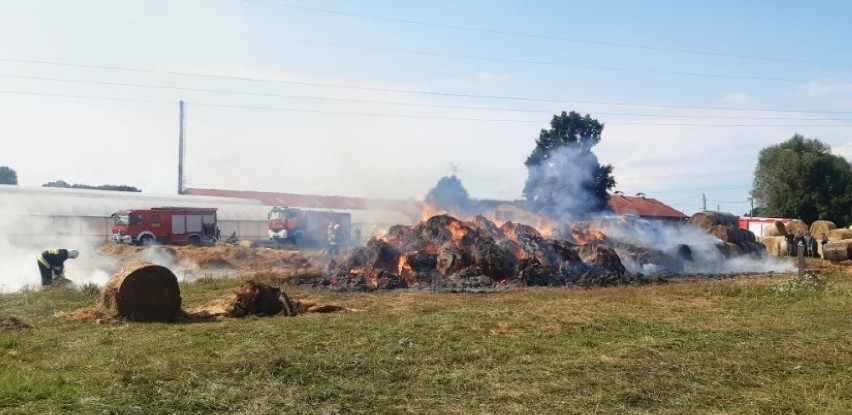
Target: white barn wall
(42, 216)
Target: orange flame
(429, 211)
(373, 277)
(584, 237)
(403, 268)
(457, 231)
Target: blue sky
(382, 98)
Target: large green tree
(565, 179)
(800, 178)
(448, 194)
(8, 175)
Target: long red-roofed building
(644, 207)
(640, 206)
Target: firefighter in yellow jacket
(51, 263)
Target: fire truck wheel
(146, 240)
(194, 240)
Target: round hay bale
(725, 233)
(708, 219)
(838, 251)
(775, 245)
(452, 259)
(143, 292)
(820, 227)
(839, 234)
(796, 227)
(776, 229)
(747, 236)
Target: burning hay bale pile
(725, 227)
(446, 254)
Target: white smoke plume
(23, 238)
(561, 184)
(706, 257)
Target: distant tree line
(120, 188)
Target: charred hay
(444, 253)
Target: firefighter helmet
(73, 253)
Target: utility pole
(703, 202)
(181, 146)
(751, 212)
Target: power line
(403, 91)
(301, 110)
(548, 37)
(487, 58)
(396, 103)
(725, 173)
(697, 190)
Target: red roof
(643, 206)
(408, 207)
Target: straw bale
(796, 226)
(776, 229)
(820, 227)
(838, 251)
(708, 219)
(143, 292)
(839, 234)
(775, 245)
(727, 233)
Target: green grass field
(755, 344)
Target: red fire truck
(166, 225)
(307, 228)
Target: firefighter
(51, 264)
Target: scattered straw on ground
(223, 257)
